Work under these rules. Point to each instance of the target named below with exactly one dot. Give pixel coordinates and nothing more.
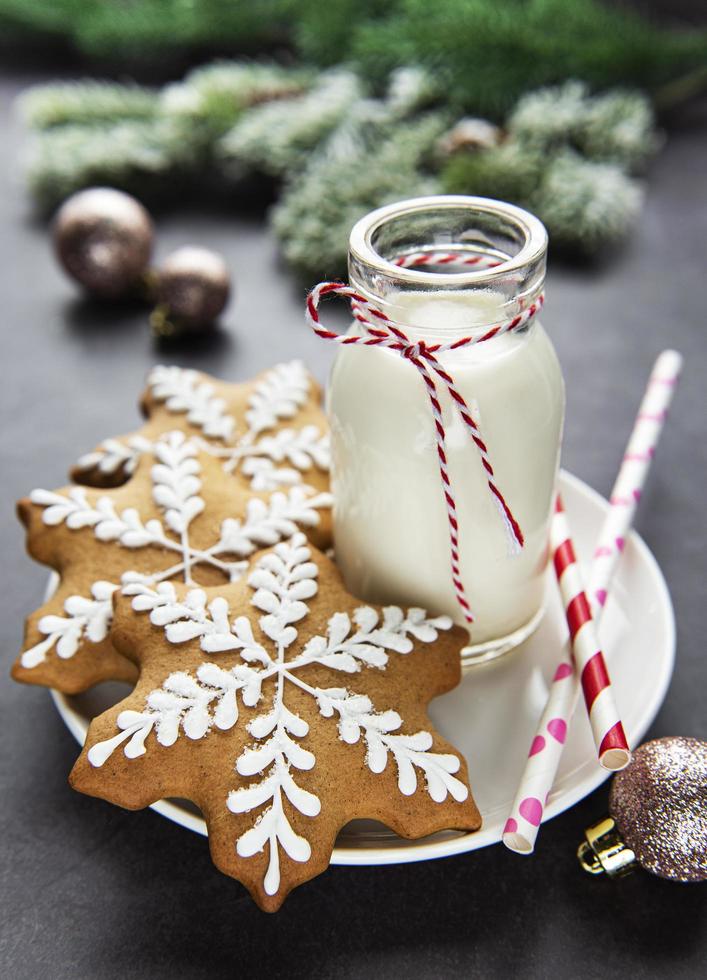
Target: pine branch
(376, 155)
(341, 154)
(314, 217)
(586, 205)
(617, 127)
(492, 51)
(210, 99)
(567, 157)
(508, 172)
(161, 27)
(278, 137)
(132, 155)
(127, 137)
(86, 102)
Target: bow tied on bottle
(379, 331)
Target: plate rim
(421, 849)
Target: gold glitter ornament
(658, 808)
(103, 239)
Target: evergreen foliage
(383, 151)
(567, 157)
(132, 155)
(210, 99)
(508, 172)
(148, 27)
(493, 51)
(277, 137)
(617, 126)
(130, 137)
(86, 103)
(586, 205)
(564, 154)
(489, 51)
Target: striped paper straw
(607, 729)
(635, 464)
(522, 826)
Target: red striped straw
(380, 331)
(522, 826)
(607, 729)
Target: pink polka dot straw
(377, 330)
(523, 823)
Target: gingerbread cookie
(195, 507)
(284, 709)
(269, 433)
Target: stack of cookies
(192, 563)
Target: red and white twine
(380, 331)
(414, 260)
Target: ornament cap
(603, 851)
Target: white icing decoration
(112, 456)
(270, 462)
(278, 395)
(182, 391)
(282, 582)
(176, 490)
(357, 718)
(85, 618)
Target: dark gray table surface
(90, 891)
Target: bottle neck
(448, 267)
(444, 316)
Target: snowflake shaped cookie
(178, 516)
(284, 709)
(269, 434)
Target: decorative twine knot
(415, 350)
(380, 331)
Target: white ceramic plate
(492, 715)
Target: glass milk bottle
(442, 269)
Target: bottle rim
(529, 229)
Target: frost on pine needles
(88, 102)
(615, 127)
(598, 198)
(276, 138)
(367, 163)
(567, 156)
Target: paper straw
(522, 826)
(634, 468)
(604, 719)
